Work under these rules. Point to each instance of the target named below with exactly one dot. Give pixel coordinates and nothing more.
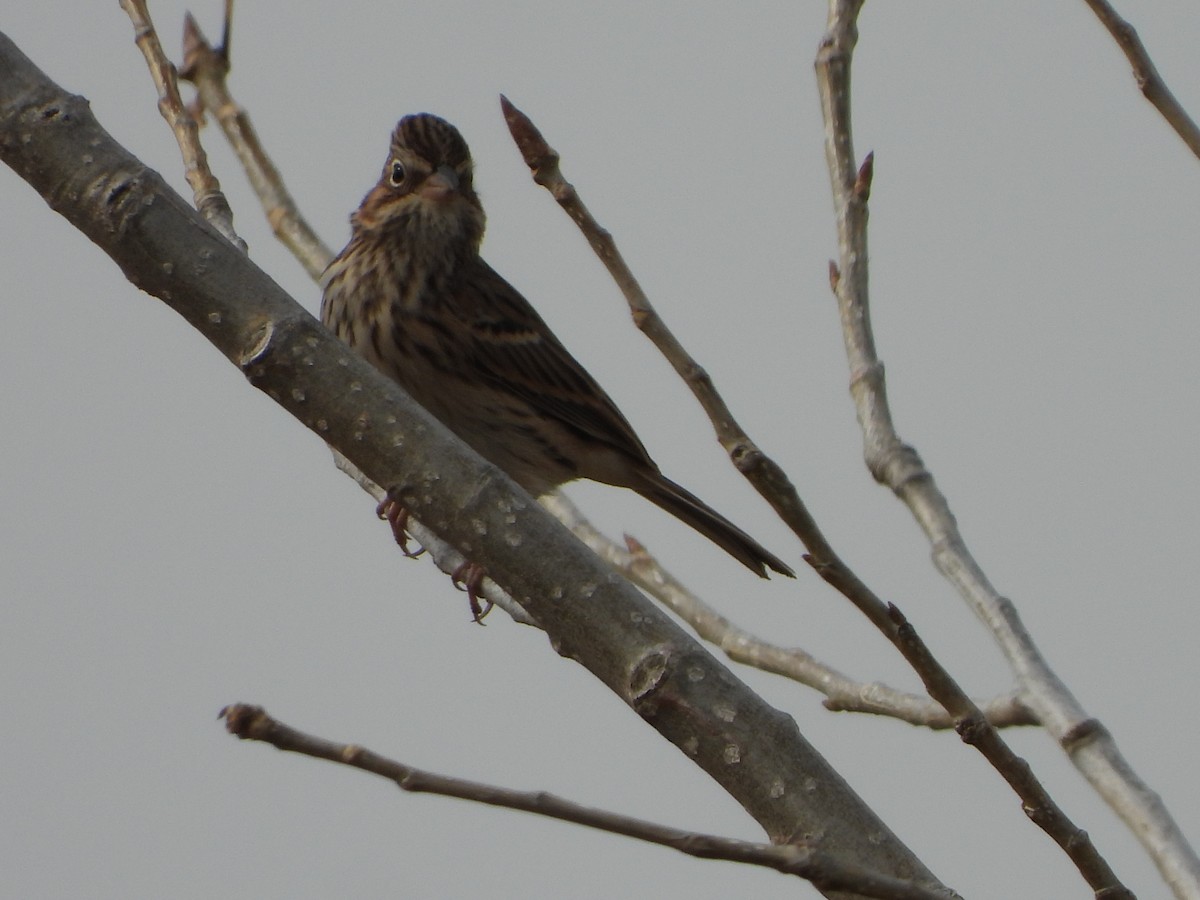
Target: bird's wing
(512, 348)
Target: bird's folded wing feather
(511, 347)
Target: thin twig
(842, 693)
(973, 726)
(808, 862)
(900, 467)
(209, 199)
(1149, 82)
(974, 729)
(207, 69)
(759, 469)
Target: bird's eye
(396, 174)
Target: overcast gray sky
(172, 542)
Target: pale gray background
(173, 542)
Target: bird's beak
(440, 185)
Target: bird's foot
(467, 577)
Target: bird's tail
(687, 507)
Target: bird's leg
(397, 515)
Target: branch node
(246, 721)
(1082, 733)
(260, 343)
(648, 675)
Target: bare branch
(799, 859)
(898, 466)
(207, 69)
(1149, 82)
(207, 190)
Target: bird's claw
(396, 515)
(469, 577)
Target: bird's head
(425, 195)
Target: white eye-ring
(396, 173)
